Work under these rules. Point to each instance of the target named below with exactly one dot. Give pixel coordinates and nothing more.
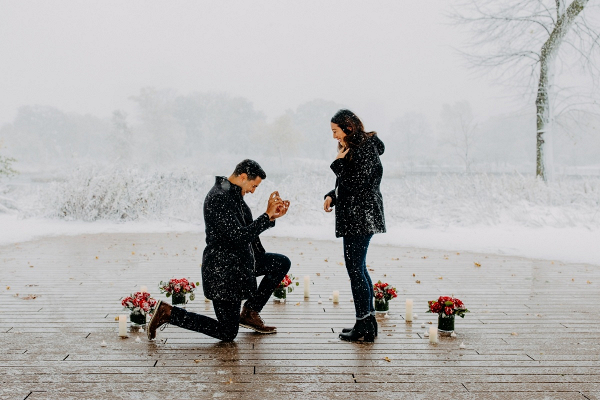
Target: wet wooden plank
(516, 348)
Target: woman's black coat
(232, 243)
(356, 197)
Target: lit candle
(123, 325)
(143, 289)
(409, 313)
(306, 286)
(336, 296)
(433, 338)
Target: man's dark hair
(250, 168)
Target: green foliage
(6, 166)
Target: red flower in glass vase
(285, 286)
(384, 291)
(447, 305)
(139, 302)
(287, 281)
(178, 286)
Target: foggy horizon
(380, 60)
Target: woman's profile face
(338, 134)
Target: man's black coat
(232, 243)
(357, 198)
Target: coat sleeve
(332, 195)
(355, 177)
(228, 228)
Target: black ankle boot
(373, 320)
(363, 328)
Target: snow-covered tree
(459, 130)
(533, 38)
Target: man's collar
(228, 186)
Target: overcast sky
(380, 58)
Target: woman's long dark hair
(352, 126)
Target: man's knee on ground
(230, 334)
(229, 337)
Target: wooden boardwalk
(532, 333)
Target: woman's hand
(327, 205)
(342, 152)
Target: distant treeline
(172, 129)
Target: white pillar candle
(306, 286)
(433, 338)
(336, 296)
(123, 325)
(409, 309)
(143, 289)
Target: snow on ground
(498, 214)
(562, 244)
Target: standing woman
(358, 212)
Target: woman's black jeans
(355, 254)
(272, 265)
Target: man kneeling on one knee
(233, 258)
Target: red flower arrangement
(383, 291)
(280, 291)
(140, 302)
(178, 286)
(447, 305)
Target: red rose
(436, 307)
(458, 303)
(444, 299)
(448, 310)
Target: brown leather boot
(251, 319)
(161, 316)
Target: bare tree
(412, 135)
(281, 135)
(121, 137)
(528, 38)
(460, 128)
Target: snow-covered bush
(424, 200)
(125, 195)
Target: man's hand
(327, 205)
(283, 209)
(342, 152)
(277, 207)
